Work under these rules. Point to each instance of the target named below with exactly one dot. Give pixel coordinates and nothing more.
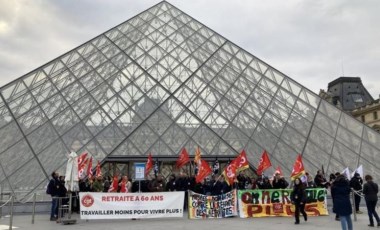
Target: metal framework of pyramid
(162, 81)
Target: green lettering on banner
(277, 202)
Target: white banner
(98, 205)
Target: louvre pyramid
(162, 81)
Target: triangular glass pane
(9, 160)
(54, 157)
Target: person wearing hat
(356, 183)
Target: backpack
(48, 190)
(49, 187)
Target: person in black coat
(320, 180)
(279, 182)
(298, 198)
(171, 186)
(356, 183)
(265, 184)
(53, 189)
(340, 192)
(370, 190)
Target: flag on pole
(241, 161)
(81, 169)
(346, 172)
(323, 171)
(183, 159)
(115, 184)
(358, 170)
(203, 171)
(298, 168)
(98, 170)
(89, 169)
(279, 171)
(81, 159)
(149, 164)
(264, 163)
(123, 185)
(229, 172)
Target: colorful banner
(203, 206)
(131, 205)
(273, 202)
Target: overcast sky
(311, 41)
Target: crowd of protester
(339, 185)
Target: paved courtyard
(270, 223)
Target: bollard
(11, 214)
(34, 207)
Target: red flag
(279, 171)
(123, 185)
(241, 161)
(229, 172)
(82, 168)
(298, 168)
(89, 169)
(264, 163)
(203, 171)
(81, 159)
(114, 185)
(183, 159)
(149, 164)
(98, 170)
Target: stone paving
(269, 223)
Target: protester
(242, 181)
(98, 184)
(370, 190)
(106, 184)
(157, 184)
(320, 180)
(356, 183)
(298, 198)
(332, 179)
(171, 186)
(279, 182)
(309, 181)
(265, 184)
(340, 192)
(53, 189)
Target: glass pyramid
(162, 81)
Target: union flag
(241, 161)
(115, 184)
(298, 168)
(183, 159)
(229, 172)
(149, 164)
(98, 170)
(81, 159)
(89, 169)
(203, 171)
(81, 169)
(264, 163)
